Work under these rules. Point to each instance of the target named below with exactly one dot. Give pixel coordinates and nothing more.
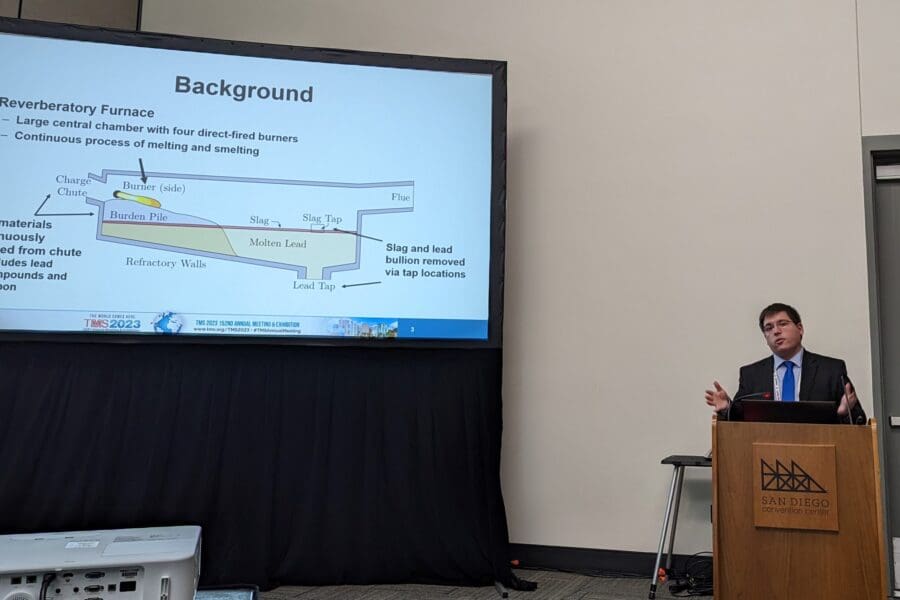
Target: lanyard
(777, 384)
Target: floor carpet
(551, 586)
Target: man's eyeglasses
(770, 327)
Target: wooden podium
(797, 512)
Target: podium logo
(783, 479)
(795, 486)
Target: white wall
(9, 8)
(673, 167)
(879, 59)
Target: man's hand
(848, 400)
(719, 398)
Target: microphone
(860, 420)
(750, 396)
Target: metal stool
(679, 461)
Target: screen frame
(497, 69)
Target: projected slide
(172, 192)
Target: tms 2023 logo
(112, 324)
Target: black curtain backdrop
(303, 465)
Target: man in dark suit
(792, 373)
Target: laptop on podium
(769, 411)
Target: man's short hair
(776, 308)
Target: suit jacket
(820, 380)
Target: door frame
(874, 147)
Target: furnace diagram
(314, 228)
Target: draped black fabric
(303, 465)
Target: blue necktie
(787, 392)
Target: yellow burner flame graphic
(135, 198)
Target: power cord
(45, 583)
(697, 579)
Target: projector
(158, 563)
